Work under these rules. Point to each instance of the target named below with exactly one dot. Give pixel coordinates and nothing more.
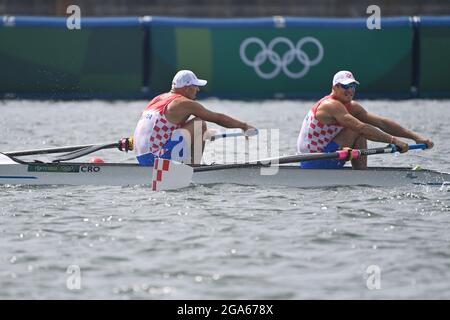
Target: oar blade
(170, 175)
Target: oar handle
(251, 132)
(418, 146)
(422, 146)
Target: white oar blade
(169, 175)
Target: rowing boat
(122, 174)
(172, 175)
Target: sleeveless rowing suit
(318, 137)
(154, 134)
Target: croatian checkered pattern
(318, 134)
(153, 129)
(160, 166)
(314, 135)
(162, 131)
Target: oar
(85, 151)
(60, 149)
(48, 150)
(182, 176)
(213, 134)
(82, 150)
(124, 144)
(339, 155)
(391, 148)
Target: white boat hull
(290, 176)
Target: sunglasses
(348, 86)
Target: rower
(165, 130)
(337, 121)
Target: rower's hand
(428, 142)
(402, 146)
(250, 131)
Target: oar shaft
(392, 148)
(305, 157)
(268, 162)
(46, 150)
(226, 135)
(124, 144)
(367, 152)
(340, 154)
(213, 134)
(82, 152)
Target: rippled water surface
(221, 241)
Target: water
(221, 241)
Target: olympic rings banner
(259, 59)
(280, 63)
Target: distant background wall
(434, 57)
(226, 8)
(251, 58)
(42, 58)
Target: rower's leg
(348, 138)
(361, 162)
(196, 128)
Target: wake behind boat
(120, 174)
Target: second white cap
(344, 77)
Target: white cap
(185, 78)
(344, 77)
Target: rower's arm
(368, 131)
(385, 124)
(221, 119)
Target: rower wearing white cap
(157, 134)
(337, 121)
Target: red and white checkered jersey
(153, 129)
(314, 135)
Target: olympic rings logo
(281, 63)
